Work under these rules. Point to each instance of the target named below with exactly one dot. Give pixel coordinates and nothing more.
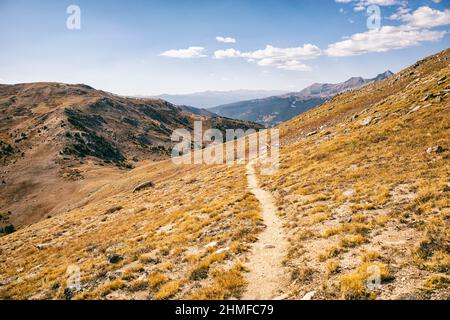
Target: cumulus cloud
(425, 17)
(225, 39)
(228, 53)
(306, 52)
(270, 56)
(414, 30)
(189, 53)
(382, 40)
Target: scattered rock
(435, 149)
(113, 209)
(143, 186)
(414, 109)
(211, 244)
(309, 295)
(42, 246)
(366, 121)
(114, 258)
(91, 247)
(427, 97)
(348, 193)
(222, 250)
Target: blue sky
(170, 46)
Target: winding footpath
(267, 277)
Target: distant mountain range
(209, 99)
(276, 109)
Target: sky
(180, 46)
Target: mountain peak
(383, 75)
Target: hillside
(363, 185)
(274, 110)
(60, 142)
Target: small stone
(311, 133)
(113, 209)
(366, 121)
(309, 295)
(427, 97)
(144, 185)
(222, 250)
(114, 258)
(349, 193)
(211, 244)
(435, 149)
(42, 246)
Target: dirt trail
(267, 277)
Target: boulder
(114, 258)
(144, 185)
(366, 121)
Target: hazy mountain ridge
(274, 110)
(209, 99)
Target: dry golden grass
(370, 190)
(353, 286)
(162, 235)
(351, 192)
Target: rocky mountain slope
(364, 187)
(362, 195)
(274, 110)
(58, 141)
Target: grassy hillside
(365, 179)
(184, 238)
(60, 143)
(364, 182)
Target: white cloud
(382, 40)
(228, 53)
(425, 17)
(308, 51)
(270, 56)
(189, 53)
(225, 39)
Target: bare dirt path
(267, 277)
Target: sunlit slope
(365, 181)
(185, 237)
